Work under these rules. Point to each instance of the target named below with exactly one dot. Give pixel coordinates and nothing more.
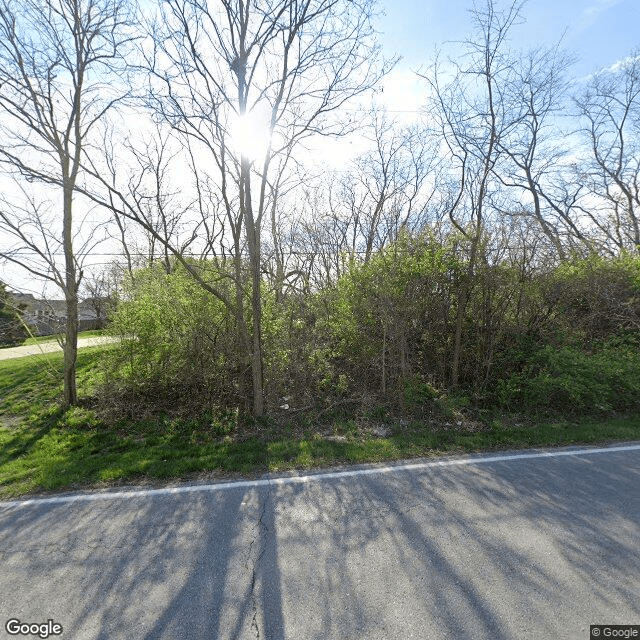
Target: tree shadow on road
(507, 550)
(518, 549)
(156, 567)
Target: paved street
(500, 546)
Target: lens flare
(251, 135)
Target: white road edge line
(331, 475)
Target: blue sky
(600, 32)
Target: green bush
(176, 345)
(595, 297)
(417, 392)
(385, 333)
(570, 380)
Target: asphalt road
(515, 545)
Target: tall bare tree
(610, 109)
(383, 191)
(534, 92)
(216, 69)
(473, 120)
(56, 85)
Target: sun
(251, 135)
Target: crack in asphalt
(261, 534)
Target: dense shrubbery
(584, 352)
(568, 379)
(563, 337)
(176, 347)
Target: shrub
(570, 380)
(176, 344)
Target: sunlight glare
(251, 135)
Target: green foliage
(596, 297)
(384, 334)
(387, 329)
(388, 319)
(571, 381)
(176, 344)
(12, 329)
(45, 448)
(417, 392)
(450, 404)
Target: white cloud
(590, 14)
(615, 67)
(621, 64)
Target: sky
(599, 32)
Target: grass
(43, 448)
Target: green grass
(45, 339)
(44, 449)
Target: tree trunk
(384, 362)
(464, 295)
(253, 244)
(457, 340)
(71, 349)
(256, 359)
(71, 299)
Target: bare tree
(383, 190)
(610, 109)
(358, 210)
(286, 259)
(215, 68)
(55, 62)
(473, 120)
(322, 233)
(100, 293)
(534, 93)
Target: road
(48, 347)
(521, 545)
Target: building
(46, 317)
